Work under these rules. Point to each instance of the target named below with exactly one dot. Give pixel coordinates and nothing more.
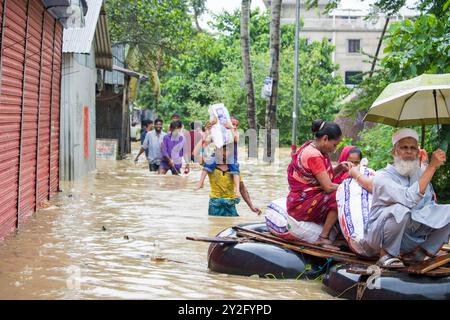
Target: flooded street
(98, 239)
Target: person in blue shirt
(147, 126)
(152, 146)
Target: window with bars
(353, 77)
(354, 45)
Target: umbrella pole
(423, 137)
(436, 109)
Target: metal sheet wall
(30, 62)
(78, 156)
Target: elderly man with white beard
(404, 219)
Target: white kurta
(401, 218)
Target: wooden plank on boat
(293, 242)
(366, 272)
(223, 240)
(439, 272)
(430, 264)
(310, 251)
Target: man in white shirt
(152, 144)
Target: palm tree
(246, 63)
(271, 109)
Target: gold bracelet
(358, 177)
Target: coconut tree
(271, 108)
(246, 63)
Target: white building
(346, 28)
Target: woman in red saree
(312, 194)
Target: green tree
(413, 47)
(210, 70)
(319, 90)
(246, 63)
(272, 103)
(153, 30)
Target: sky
(217, 6)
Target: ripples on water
(102, 236)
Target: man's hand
(171, 163)
(256, 210)
(136, 159)
(438, 158)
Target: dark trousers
(153, 167)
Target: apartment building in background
(346, 28)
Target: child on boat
(233, 165)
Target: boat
(251, 250)
(250, 258)
(344, 281)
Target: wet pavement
(119, 233)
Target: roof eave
(103, 52)
(131, 73)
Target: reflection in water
(120, 233)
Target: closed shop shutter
(30, 61)
(56, 100)
(44, 119)
(10, 112)
(30, 110)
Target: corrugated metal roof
(115, 77)
(80, 40)
(103, 53)
(131, 73)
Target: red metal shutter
(10, 111)
(56, 99)
(44, 118)
(30, 75)
(30, 112)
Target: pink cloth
(341, 176)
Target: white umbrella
(422, 100)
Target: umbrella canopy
(417, 101)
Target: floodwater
(119, 233)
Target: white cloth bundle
(282, 225)
(220, 135)
(354, 204)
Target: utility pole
(295, 107)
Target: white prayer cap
(404, 133)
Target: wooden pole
(295, 108)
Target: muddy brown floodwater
(98, 239)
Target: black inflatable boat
(262, 259)
(341, 282)
(250, 258)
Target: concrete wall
(79, 77)
(338, 30)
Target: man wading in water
(222, 198)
